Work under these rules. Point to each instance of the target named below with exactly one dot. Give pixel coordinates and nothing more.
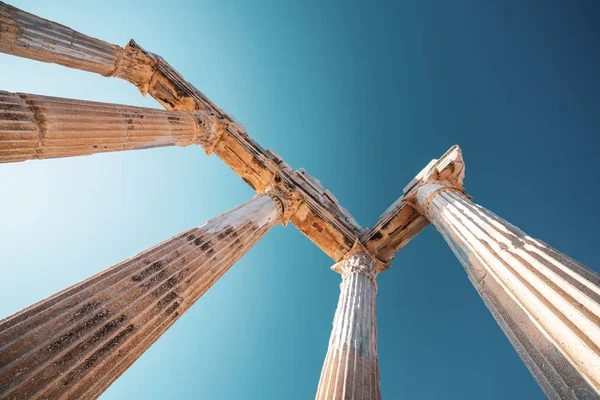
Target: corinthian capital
(359, 261)
(287, 198)
(443, 174)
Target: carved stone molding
(360, 261)
(448, 172)
(210, 131)
(289, 199)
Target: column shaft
(27, 35)
(351, 369)
(547, 304)
(36, 127)
(77, 342)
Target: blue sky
(362, 95)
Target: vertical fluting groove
(77, 342)
(26, 35)
(547, 304)
(37, 127)
(350, 369)
(101, 384)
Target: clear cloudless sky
(363, 95)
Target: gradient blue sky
(363, 95)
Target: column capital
(209, 131)
(288, 200)
(359, 260)
(443, 174)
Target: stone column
(351, 369)
(547, 304)
(77, 342)
(37, 127)
(27, 35)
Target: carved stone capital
(360, 261)
(152, 74)
(444, 174)
(288, 198)
(136, 65)
(209, 131)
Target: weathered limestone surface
(547, 304)
(35, 127)
(319, 217)
(29, 36)
(351, 368)
(77, 342)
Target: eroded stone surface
(27, 35)
(77, 342)
(39, 127)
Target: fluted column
(547, 304)
(351, 368)
(36, 127)
(27, 35)
(77, 342)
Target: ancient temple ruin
(76, 343)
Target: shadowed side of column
(77, 342)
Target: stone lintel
(402, 221)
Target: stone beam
(547, 304)
(351, 367)
(37, 127)
(400, 222)
(394, 229)
(320, 217)
(77, 342)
